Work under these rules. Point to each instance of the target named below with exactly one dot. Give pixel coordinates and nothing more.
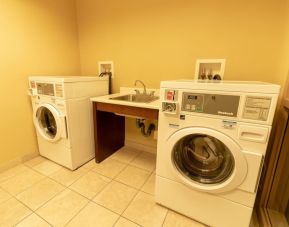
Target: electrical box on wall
(106, 67)
(210, 69)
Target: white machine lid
(223, 85)
(66, 79)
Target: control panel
(49, 89)
(193, 102)
(45, 89)
(231, 106)
(58, 90)
(216, 104)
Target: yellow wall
(37, 37)
(156, 40)
(284, 58)
(151, 40)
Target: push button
(170, 95)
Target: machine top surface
(66, 79)
(223, 85)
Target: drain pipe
(140, 124)
(109, 74)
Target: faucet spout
(142, 83)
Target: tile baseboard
(17, 161)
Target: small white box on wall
(105, 67)
(210, 69)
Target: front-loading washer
(62, 116)
(211, 144)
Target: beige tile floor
(118, 192)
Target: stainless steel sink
(136, 98)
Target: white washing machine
(62, 116)
(211, 145)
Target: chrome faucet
(144, 87)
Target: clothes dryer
(211, 144)
(62, 116)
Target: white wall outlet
(210, 69)
(106, 66)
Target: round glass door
(203, 159)
(47, 122)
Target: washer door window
(203, 158)
(47, 122)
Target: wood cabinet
(109, 126)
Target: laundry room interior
(158, 48)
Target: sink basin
(136, 98)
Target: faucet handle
(137, 91)
(152, 93)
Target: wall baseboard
(26, 157)
(17, 161)
(140, 146)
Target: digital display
(192, 97)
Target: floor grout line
(165, 218)
(108, 176)
(2, 181)
(42, 218)
(22, 219)
(37, 216)
(64, 188)
(137, 189)
(121, 215)
(28, 186)
(76, 213)
(91, 200)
